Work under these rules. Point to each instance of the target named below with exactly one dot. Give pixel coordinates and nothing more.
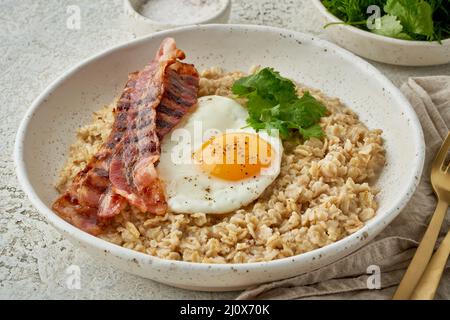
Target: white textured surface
(36, 47)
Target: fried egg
(213, 163)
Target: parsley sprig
(273, 104)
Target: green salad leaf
(351, 10)
(416, 16)
(403, 19)
(273, 104)
(390, 26)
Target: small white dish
(143, 25)
(47, 130)
(384, 49)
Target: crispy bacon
(153, 102)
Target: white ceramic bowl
(142, 25)
(384, 49)
(48, 129)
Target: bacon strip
(152, 103)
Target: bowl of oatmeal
(332, 194)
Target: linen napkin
(393, 249)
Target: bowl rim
(127, 254)
(211, 19)
(413, 43)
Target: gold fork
(428, 284)
(440, 179)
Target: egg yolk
(234, 156)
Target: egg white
(189, 189)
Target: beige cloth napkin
(395, 246)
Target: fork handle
(426, 289)
(422, 255)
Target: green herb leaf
(304, 112)
(416, 16)
(391, 27)
(268, 84)
(314, 131)
(273, 104)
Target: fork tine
(442, 154)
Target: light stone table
(35, 47)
